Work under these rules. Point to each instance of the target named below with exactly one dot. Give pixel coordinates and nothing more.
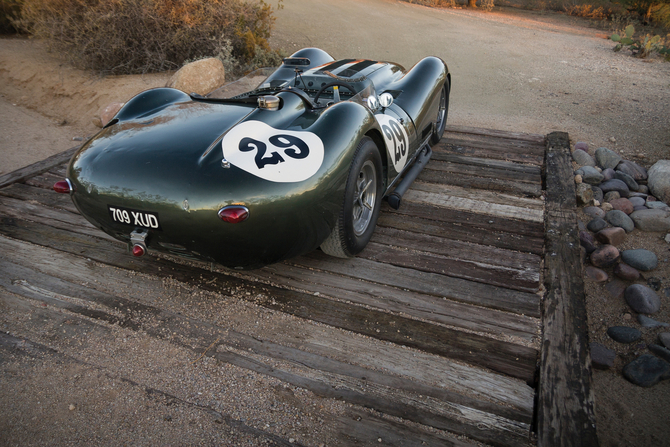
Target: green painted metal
(163, 156)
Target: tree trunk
(472, 3)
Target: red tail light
(138, 250)
(234, 213)
(63, 187)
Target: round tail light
(234, 213)
(139, 250)
(63, 187)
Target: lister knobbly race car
(301, 161)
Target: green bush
(640, 47)
(139, 36)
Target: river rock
(605, 256)
(601, 356)
(624, 334)
(622, 204)
(637, 201)
(596, 224)
(582, 145)
(590, 175)
(199, 77)
(587, 241)
(652, 220)
(643, 189)
(594, 211)
(612, 236)
(584, 194)
(578, 179)
(606, 207)
(642, 299)
(606, 158)
(657, 205)
(627, 179)
(611, 195)
(637, 172)
(615, 185)
(659, 180)
(582, 158)
(660, 351)
(640, 259)
(618, 218)
(597, 194)
(608, 174)
(664, 338)
(649, 322)
(625, 271)
(595, 274)
(646, 370)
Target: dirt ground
(512, 70)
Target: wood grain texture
(37, 168)
(565, 409)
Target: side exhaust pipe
(412, 173)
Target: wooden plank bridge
(436, 334)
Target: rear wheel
(362, 200)
(442, 112)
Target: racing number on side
(293, 147)
(393, 132)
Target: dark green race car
(301, 161)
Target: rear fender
(150, 102)
(419, 91)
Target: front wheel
(442, 111)
(362, 200)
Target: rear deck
(438, 325)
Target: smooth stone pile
(624, 190)
(620, 196)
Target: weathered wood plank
(37, 168)
(427, 262)
(529, 170)
(471, 181)
(405, 219)
(495, 145)
(488, 152)
(392, 395)
(430, 283)
(535, 138)
(565, 409)
(392, 299)
(516, 361)
(493, 203)
(328, 342)
(57, 218)
(467, 251)
(481, 170)
(44, 180)
(47, 197)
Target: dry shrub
(139, 36)
(9, 12)
(587, 11)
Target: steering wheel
(339, 83)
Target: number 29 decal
(282, 156)
(397, 141)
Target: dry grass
(139, 36)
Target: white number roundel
(282, 156)
(397, 141)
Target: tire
(442, 112)
(362, 201)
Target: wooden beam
(565, 409)
(37, 168)
(532, 137)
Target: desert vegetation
(140, 36)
